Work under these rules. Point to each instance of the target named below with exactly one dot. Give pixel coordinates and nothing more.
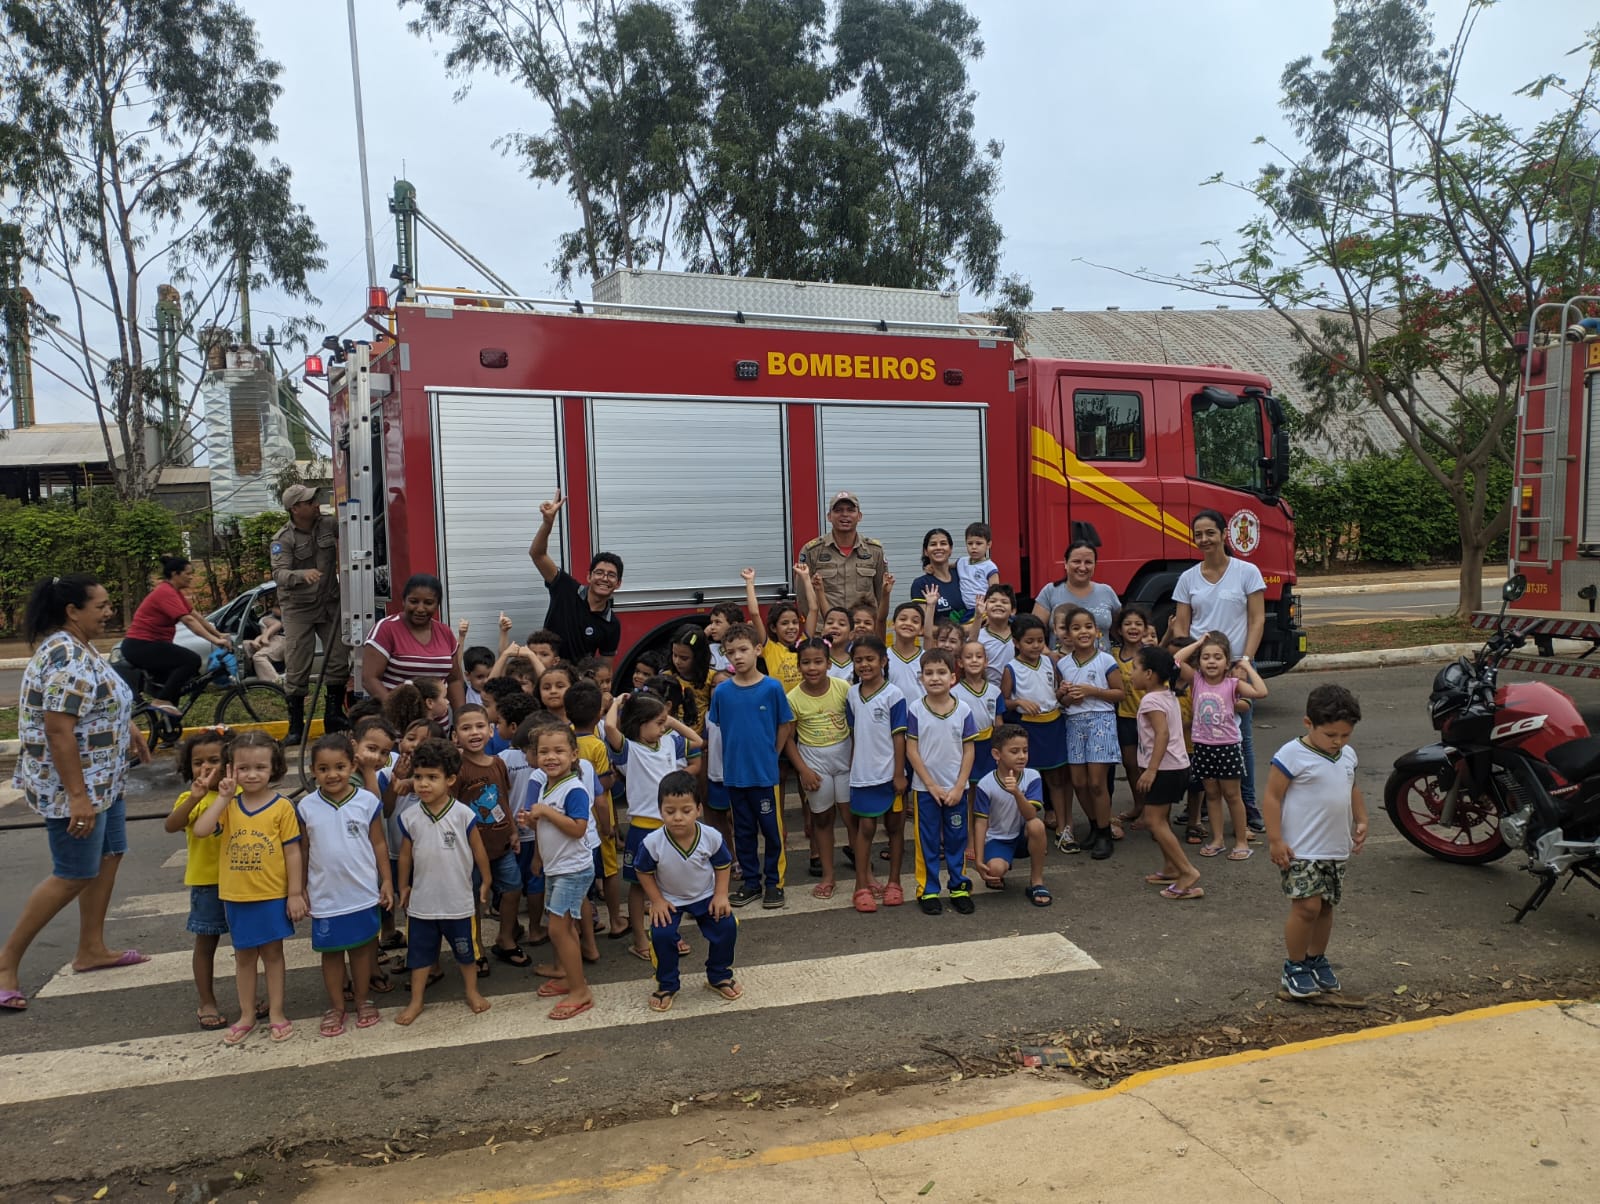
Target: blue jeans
(1247, 786)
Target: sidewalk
(1414, 1111)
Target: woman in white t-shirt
(1226, 594)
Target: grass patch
(8, 723)
(1388, 633)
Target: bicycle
(235, 701)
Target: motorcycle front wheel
(1416, 800)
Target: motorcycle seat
(1576, 759)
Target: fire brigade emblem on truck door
(1244, 532)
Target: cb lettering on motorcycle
(1518, 727)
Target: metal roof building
(1252, 340)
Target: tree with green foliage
(132, 132)
(747, 136)
(1407, 237)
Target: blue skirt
(258, 923)
(1047, 743)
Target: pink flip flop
(13, 1001)
(130, 957)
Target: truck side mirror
(1278, 464)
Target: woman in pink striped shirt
(413, 643)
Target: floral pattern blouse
(71, 679)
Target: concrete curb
(14, 662)
(1389, 587)
(1379, 658)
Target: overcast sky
(1111, 115)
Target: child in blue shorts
(200, 760)
(561, 821)
(440, 847)
(1008, 801)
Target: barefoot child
(819, 750)
(484, 785)
(560, 821)
(260, 874)
(200, 760)
(440, 846)
(1316, 819)
(876, 712)
(1009, 799)
(398, 798)
(346, 879)
(1164, 769)
(683, 867)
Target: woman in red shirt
(148, 642)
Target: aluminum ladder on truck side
(357, 509)
(1539, 488)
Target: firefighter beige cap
(296, 494)
(843, 496)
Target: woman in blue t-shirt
(936, 570)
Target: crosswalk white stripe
(168, 903)
(177, 861)
(153, 1061)
(164, 968)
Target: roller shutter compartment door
(497, 459)
(688, 493)
(913, 468)
(1589, 537)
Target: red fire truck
(1555, 531)
(697, 423)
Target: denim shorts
(207, 916)
(505, 875)
(564, 893)
(74, 859)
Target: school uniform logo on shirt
(449, 839)
(352, 827)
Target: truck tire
(1163, 612)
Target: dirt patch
(1388, 633)
(1103, 1051)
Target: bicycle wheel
(252, 704)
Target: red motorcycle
(1516, 769)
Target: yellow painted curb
(780, 1155)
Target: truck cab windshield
(1228, 447)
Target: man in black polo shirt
(580, 615)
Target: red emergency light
(377, 299)
(314, 366)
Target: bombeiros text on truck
(698, 423)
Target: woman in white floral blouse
(75, 720)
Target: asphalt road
(1355, 608)
(832, 997)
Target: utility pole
(15, 301)
(361, 146)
